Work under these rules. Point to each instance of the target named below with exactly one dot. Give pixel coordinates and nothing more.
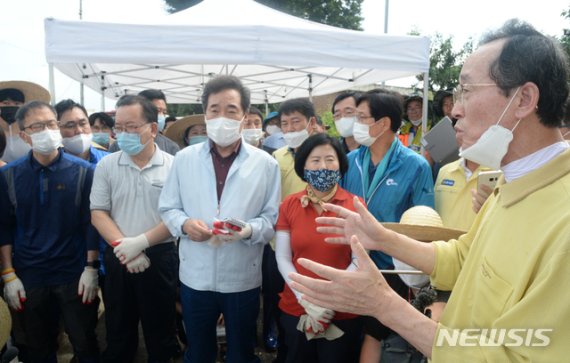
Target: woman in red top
(312, 333)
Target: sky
(22, 55)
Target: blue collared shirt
(49, 226)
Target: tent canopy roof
(276, 55)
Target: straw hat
(5, 323)
(31, 91)
(176, 131)
(424, 224)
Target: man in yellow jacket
(509, 272)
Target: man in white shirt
(220, 265)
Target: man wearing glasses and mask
(141, 259)
(516, 255)
(48, 245)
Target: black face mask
(8, 113)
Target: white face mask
(77, 144)
(362, 134)
(45, 142)
(252, 136)
(416, 123)
(295, 139)
(492, 145)
(223, 131)
(345, 126)
(272, 129)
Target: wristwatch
(95, 264)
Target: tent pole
(102, 93)
(310, 87)
(266, 103)
(425, 109)
(52, 84)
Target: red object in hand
(115, 243)
(217, 231)
(232, 227)
(218, 225)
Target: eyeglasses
(412, 109)
(464, 88)
(41, 126)
(347, 112)
(129, 128)
(71, 125)
(362, 118)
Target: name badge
(448, 182)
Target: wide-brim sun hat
(31, 91)
(423, 224)
(176, 131)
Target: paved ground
(66, 353)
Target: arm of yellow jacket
(544, 308)
(449, 256)
(416, 328)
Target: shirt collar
(515, 191)
(236, 149)
(156, 159)
(525, 165)
(51, 167)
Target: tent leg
(52, 83)
(425, 108)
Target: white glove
(329, 331)
(227, 232)
(317, 313)
(138, 264)
(88, 284)
(130, 247)
(14, 291)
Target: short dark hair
(530, 56)
(2, 142)
(149, 111)
(344, 95)
(170, 119)
(438, 100)
(32, 105)
(153, 94)
(301, 105)
(222, 83)
(312, 142)
(68, 105)
(103, 117)
(384, 104)
(256, 111)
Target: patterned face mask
(322, 179)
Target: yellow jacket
(290, 181)
(511, 270)
(453, 195)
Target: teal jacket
(407, 182)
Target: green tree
(339, 13)
(445, 62)
(565, 39)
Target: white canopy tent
(276, 55)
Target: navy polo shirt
(49, 228)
